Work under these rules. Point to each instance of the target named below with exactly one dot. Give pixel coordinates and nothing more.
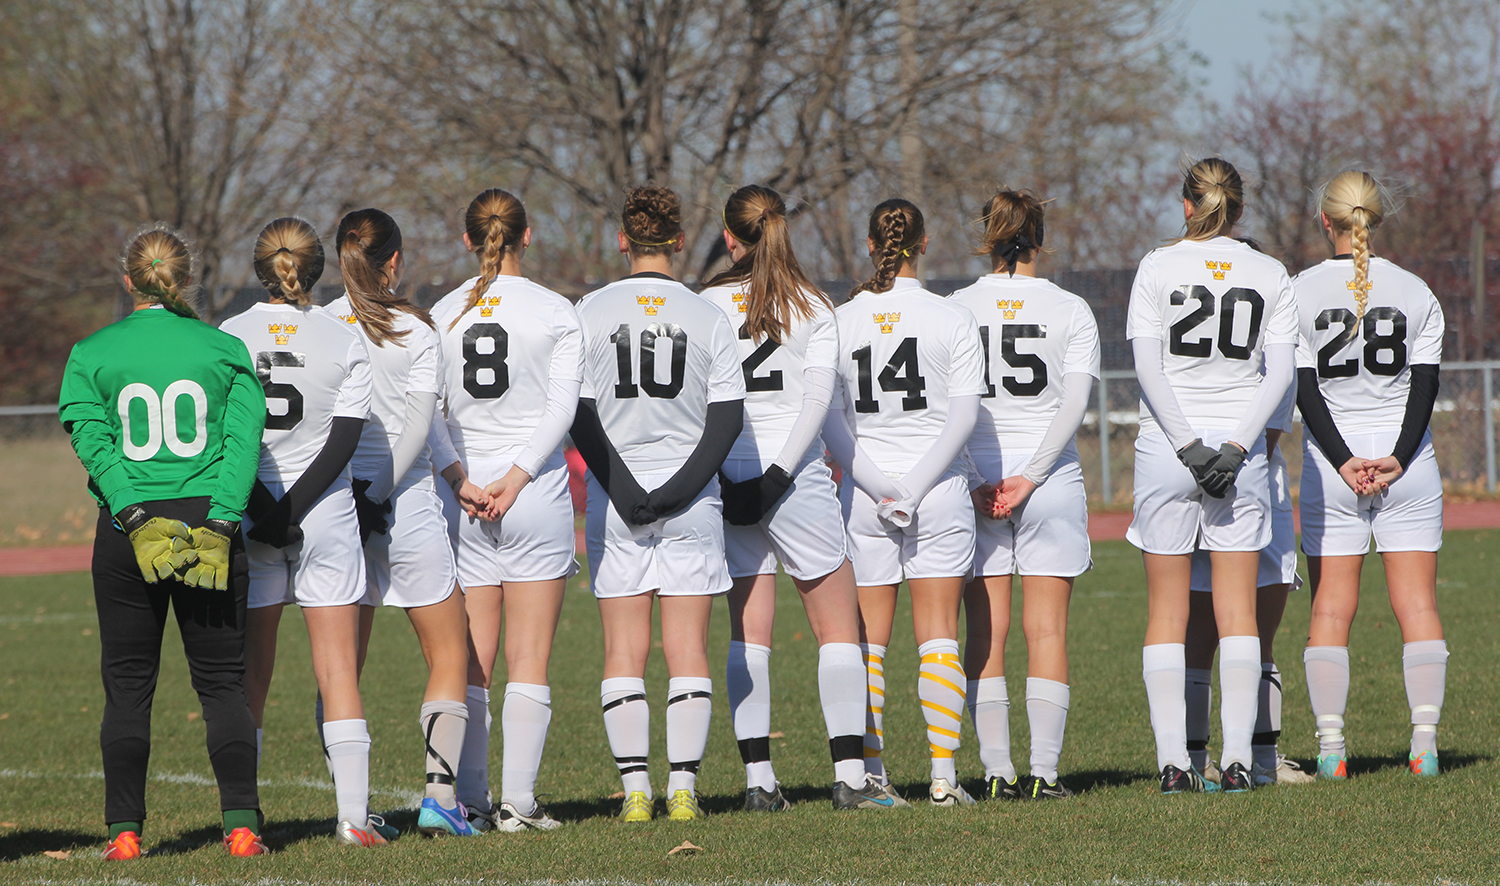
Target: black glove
(275, 527)
(371, 514)
(1199, 459)
(748, 501)
(642, 514)
(1221, 471)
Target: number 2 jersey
(313, 368)
(1214, 305)
(1364, 364)
(903, 353)
(1034, 333)
(773, 373)
(655, 354)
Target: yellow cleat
(683, 806)
(637, 807)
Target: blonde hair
(652, 220)
(1013, 229)
(368, 238)
(1217, 193)
(289, 259)
(495, 222)
(897, 229)
(778, 290)
(160, 266)
(1352, 201)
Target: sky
(1231, 35)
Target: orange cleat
(124, 847)
(244, 843)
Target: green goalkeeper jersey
(161, 406)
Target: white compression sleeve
(562, 403)
(419, 410)
(865, 474)
(1157, 392)
(951, 440)
(1281, 371)
(817, 394)
(1065, 422)
(443, 452)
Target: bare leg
(1168, 578)
(333, 632)
(987, 616)
(627, 634)
(1335, 598)
(483, 604)
(261, 625)
(752, 609)
(443, 630)
(877, 612)
(1411, 580)
(832, 604)
(1044, 620)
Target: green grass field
(1382, 826)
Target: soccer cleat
(1424, 764)
(123, 848)
(379, 826)
(346, 834)
(482, 820)
(1332, 766)
(683, 806)
(511, 820)
(435, 821)
(997, 788)
(1286, 772)
(1211, 772)
(1236, 779)
(244, 843)
(944, 793)
(871, 796)
(759, 799)
(637, 807)
(1042, 789)
(1178, 781)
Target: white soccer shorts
(1278, 561)
(1174, 516)
(534, 541)
(680, 555)
(939, 543)
(1049, 535)
(1406, 517)
(805, 531)
(326, 568)
(411, 565)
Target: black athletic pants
(132, 617)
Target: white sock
(1425, 664)
(989, 709)
(1047, 709)
(474, 767)
(443, 725)
(260, 737)
(690, 708)
(1328, 689)
(627, 723)
(874, 709)
(841, 689)
(1267, 718)
(524, 719)
(1163, 668)
(940, 687)
(347, 743)
(1239, 685)
(747, 674)
(1198, 696)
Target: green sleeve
(244, 423)
(94, 437)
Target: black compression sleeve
(721, 427)
(1319, 421)
(343, 437)
(606, 465)
(1419, 403)
(262, 500)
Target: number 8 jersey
(1214, 305)
(1363, 364)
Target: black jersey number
(1392, 343)
(494, 361)
(280, 391)
(1008, 335)
(901, 373)
(771, 381)
(626, 387)
(1228, 305)
(1326, 367)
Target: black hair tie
(1011, 250)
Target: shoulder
(1406, 279)
(449, 305)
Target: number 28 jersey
(655, 354)
(1214, 305)
(1364, 364)
(904, 353)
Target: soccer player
(662, 403)
(912, 370)
(303, 536)
(780, 501)
(1041, 359)
(408, 563)
(1212, 325)
(165, 414)
(512, 363)
(1367, 377)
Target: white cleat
(943, 793)
(511, 821)
(1286, 772)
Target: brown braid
(160, 267)
(897, 229)
(289, 259)
(495, 222)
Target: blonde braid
(1360, 247)
(1353, 203)
(286, 272)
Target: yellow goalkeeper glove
(211, 541)
(162, 546)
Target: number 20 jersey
(1214, 305)
(655, 354)
(904, 353)
(1364, 364)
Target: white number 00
(161, 420)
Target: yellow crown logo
(651, 303)
(291, 329)
(1219, 268)
(1369, 284)
(274, 328)
(283, 339)
(658, 299)
(737, 297)
(1008, 307)
(643, 299)
(348, 318)
(486, 311)
(887, 322)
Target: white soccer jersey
(408, 365)
(314, 369)
(1033, 332)
(773, 372)
(655, 354)
(1364, 364)
(1214, 306)
(499, 358)
(903, 353)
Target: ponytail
(1013, 229)
(1353, 202)
(289, 260)
(897, 229)
(368, 238)
(779, 293)
(495, 222)
(160, 268)
(1217, 193)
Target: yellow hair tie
(906, 253)
(644, 243)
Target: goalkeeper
(166, 414)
